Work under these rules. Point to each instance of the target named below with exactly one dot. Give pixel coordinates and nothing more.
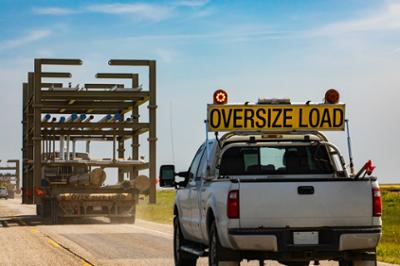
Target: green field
(162, 212)
(388, 249)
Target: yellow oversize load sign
(276, 117)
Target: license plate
(305, 238)
(97, 208)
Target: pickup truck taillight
(376, 202)
(233, 204)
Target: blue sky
(294, 49)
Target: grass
(162, 212)
(389, 246)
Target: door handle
(305, 190)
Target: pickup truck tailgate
(305, 204)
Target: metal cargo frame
(40, 98)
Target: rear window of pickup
(276, 160)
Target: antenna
(349, 147)
(171, 132)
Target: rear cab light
(233, 210)
(376, 202)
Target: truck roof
(271, 136)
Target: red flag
(369, 167)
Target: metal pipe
(114, 146)
(68, 154)
(54, 146)
(72, 117)
(102, 86)
(58, 61)
(56, 75)
(81, 117)
(61, 156)
(73, 149)
(88, 119)
(46, 118)
(88, 146)
(105, 118)
(116, 117)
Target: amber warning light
(332, 96)
(220, 97)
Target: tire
(54, 219)
(297, 263)
(364, 262)
(181, 258)
(122, 220)
(215, 249)
(358, 263)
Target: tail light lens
(233, 204)
(376, 202)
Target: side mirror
(167, 176)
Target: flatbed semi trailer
(60, 118)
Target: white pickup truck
(273, 196)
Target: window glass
(195, 163)
(202, 167)
(272, 156)
(250, 158)
(279, 160)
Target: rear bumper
(280, 240)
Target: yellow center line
(53, 243)
(84, 263)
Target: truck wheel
(297, 263)
(54, 211)
(215, 250)
(181, 258)
(364, 263)
(358, 263)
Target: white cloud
(244, 33)
(192, 3)
(386, 19)
(139, 11)
(54, 11)
(32, 36)
(165, 55)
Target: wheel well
(210, 219)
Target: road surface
(26, 240)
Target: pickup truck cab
(285, 196)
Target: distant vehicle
(3, 193)
(274, 187)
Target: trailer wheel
(54, 211)
(122, 220)
(297, 263)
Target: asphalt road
(25, 240)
